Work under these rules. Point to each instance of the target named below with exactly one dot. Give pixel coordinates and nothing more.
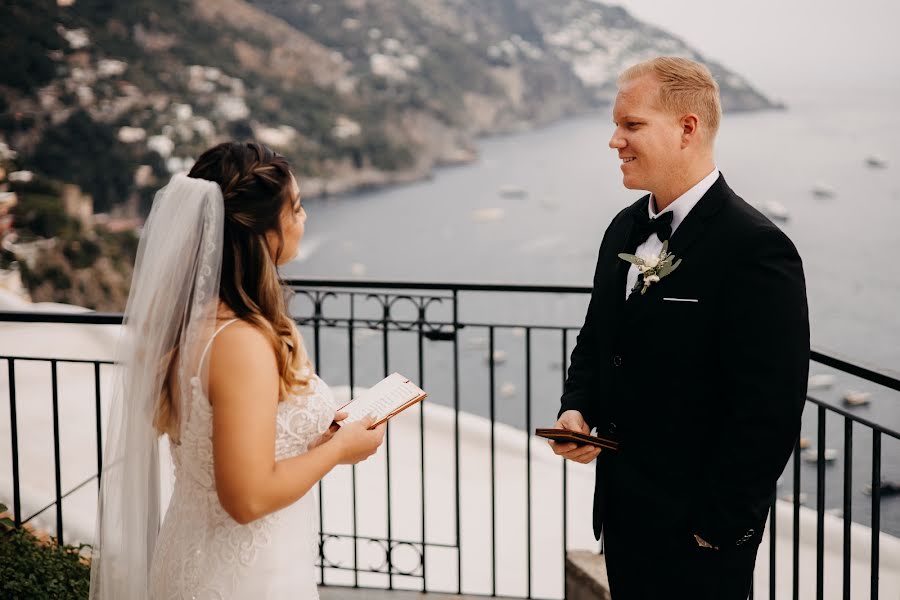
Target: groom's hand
(573, 421)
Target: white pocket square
(681, 299)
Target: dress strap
(209, 344)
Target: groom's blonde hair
(686, 86)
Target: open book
(390, 396)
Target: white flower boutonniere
(652, 268)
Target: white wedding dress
(202, 553)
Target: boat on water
(498, 358)
(854, 398)
(482, 215)
(886, 489)
(874, 161)
(776, 210)
(820, 381)
(512, 191)
(823, 190)
(812, 455)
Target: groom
(700, 371)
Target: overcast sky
(782, 45)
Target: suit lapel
(624, 243)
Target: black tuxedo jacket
(705, 397)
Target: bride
(212, 361)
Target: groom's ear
(689, 129)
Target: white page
(381, 399)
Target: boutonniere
(652, 268)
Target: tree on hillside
(86, 152)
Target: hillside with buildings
(114, 97)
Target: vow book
(564, 435)
(390, 396)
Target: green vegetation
(40, 212)
(25, 40)
(87, 152)
(33, 569)
(90, 268)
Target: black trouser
(651, 562)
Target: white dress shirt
(680, 209)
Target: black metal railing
(473, 346)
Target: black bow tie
(644, 227)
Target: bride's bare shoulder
(241, 350)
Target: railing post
(14, 438)
(421, 360)
(98, 416)
(351, 377)
(456, 438)
(820, 505)
(56, 459)
(848, 493)
(528, 437)
(796, 527)
(491, 400)
(876, 512)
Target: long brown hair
(256, 185)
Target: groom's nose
(616, 142)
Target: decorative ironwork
(388, 552)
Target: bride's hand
(338, 416)
(356, 442)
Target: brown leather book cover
(564, 435)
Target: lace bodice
(202, 552)
(299, 420)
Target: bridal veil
(171, 306)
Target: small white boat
(886, 489)
(854, 398)
(488, 214)
(499, 357)
(820, 381)
(875, 161)
(776, 210)
(823, 190)
(507, 390)
(361, 335)
(812, 455)
(512, 191)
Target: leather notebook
(564, 435)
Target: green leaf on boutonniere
(665, 248)
(668, 268)
(635, 260)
